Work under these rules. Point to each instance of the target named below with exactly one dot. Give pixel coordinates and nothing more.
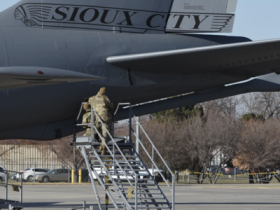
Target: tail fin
(133, 16)
(197, 16)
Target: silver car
(29, 173)
(55, 175)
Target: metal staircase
(126, 180)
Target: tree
(193, 143)
(227, 107)
(264, 103)
(209, 136)
(167, 138)
(258, 150)
(179, 114)
(251, 117)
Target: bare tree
(212, 135)
(264, 103)
(260, 146)
(226, 106)
(259, 149)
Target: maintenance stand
(126, 181)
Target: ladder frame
(114, 160)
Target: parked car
(120, 175)
(14, 176)
(2, 174)
(30, 173)
(55, 175)
(100, 172)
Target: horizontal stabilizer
(242, 56)
(267, 83)
(17, 77)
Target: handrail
(80, 112)
(120, 104)
(115, 145)
(172, 189)
(112, 139)
(106, 190)
(108, 149)
(154, 147)
(7, 184)
(91, 177)
(152, 159)
(93, 113)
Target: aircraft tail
(201, 16)
(131, 16)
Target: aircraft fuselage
(86, 52)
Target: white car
(100, 172)
(29, 173)
(127, 173)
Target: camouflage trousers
(102, 129)
(86, 120)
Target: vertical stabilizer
(129, 16)
(132, 16)
(197, 16)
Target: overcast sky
(255, 19)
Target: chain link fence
(20, 157)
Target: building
(17, 157)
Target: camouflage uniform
(102, 105)
(87, 117)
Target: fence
(19, 157)
(245, 178)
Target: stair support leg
(173, 192)
(136, 191)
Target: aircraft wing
(18, 77)
(246, 56)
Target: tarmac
(193, 197)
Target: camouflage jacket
(103, 107)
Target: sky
(255, 19)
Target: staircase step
(147, 184)
(149, 198)
(153, 207)
(131, 161)
(150, 203)
(110, 145)
(129, 169)
(141, 189)
(119, 156)
(122, 165)
(116, 152)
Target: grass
(225, 179)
